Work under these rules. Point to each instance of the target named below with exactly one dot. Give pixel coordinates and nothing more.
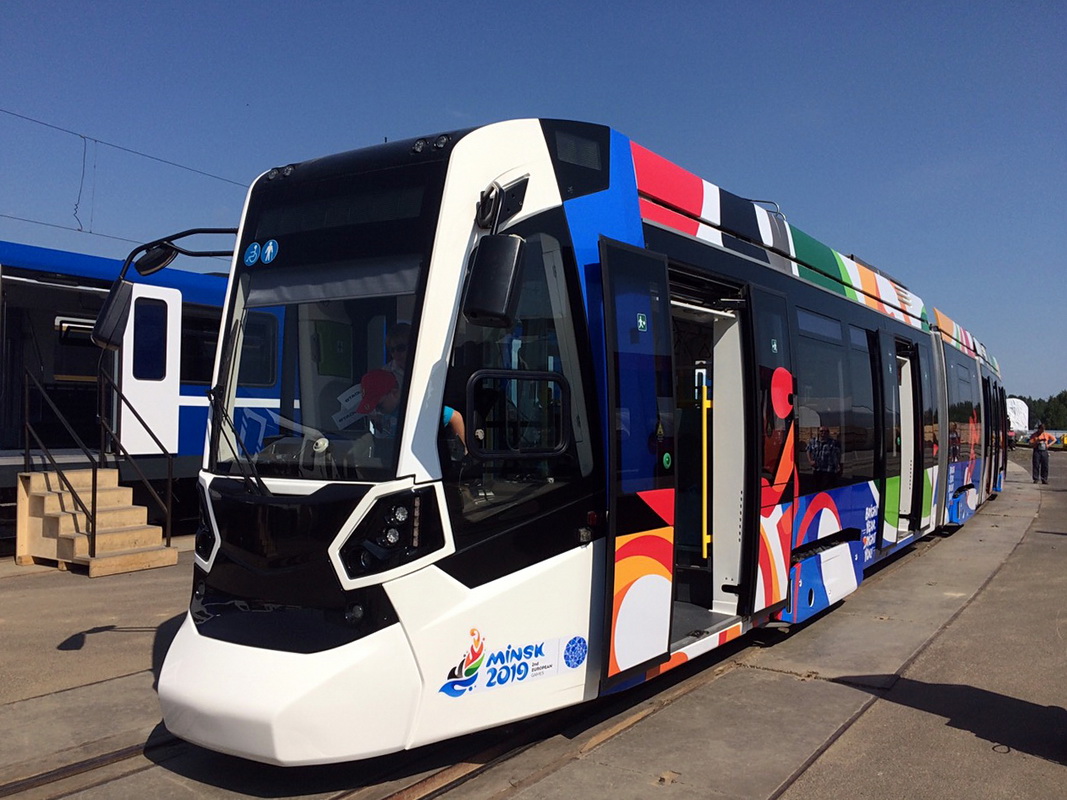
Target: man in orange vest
(1039, 442)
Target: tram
(552, 416)
(49, 302)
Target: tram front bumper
(351, 702)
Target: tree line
(1050, 410)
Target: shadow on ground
(1005, 722)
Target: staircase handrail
(108, 434)
(29, 430)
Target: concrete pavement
(943, 675)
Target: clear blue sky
(930, 139)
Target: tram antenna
(775, 209)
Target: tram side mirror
(493, 280)
(155, 258)
(111, 321)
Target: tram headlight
(204, 542)
(399, 528)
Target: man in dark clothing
(824, 455)
(1040, 442)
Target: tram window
(149, 339)
(259, 350)
(518, 415)
(860, 439)
(929, 414)
(521, 394)
(821, 403)
(964, 416)
(200, 333)
(772, 350)
(76, 357)
(810, 322)
(891, 444)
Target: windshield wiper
(249, 471)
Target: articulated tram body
(640, 361)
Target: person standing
(824, 456)
(1039, 442)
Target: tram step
(79, 479)
(42, 503)
(58, 523)
(129, 560)
(74, 546)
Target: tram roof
(195, 287)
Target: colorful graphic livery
(543, 415)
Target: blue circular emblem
(270, 251)
(252, 254)
(575, 652)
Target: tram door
(908, 443)
(642, 440)
(150, 370)
(769, 566)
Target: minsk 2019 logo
(462, 677)
(515, 663)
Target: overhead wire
(123, 149)
(81, 185)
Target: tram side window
(964, 418)
(259, 350)
(76, 357)
(821, 402)
(929, 401)
(772, 343)
(860, 441)
(200, 333)
(520, 389)
(835, 404)
(149, 339)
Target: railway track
(543, 745)
(493, 764)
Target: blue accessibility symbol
(252, 254)
(270, 251)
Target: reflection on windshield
(335, 408)
(332, 262)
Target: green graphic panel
(827, 269)
(892, 502)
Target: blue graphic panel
(961, 474)
(613, 213)
(192, 428)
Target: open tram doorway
(676, 458)
(46, 329)
(710, 452)
(906, 440)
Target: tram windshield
(312, 379)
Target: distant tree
(1056, 412)
(1050, 410)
